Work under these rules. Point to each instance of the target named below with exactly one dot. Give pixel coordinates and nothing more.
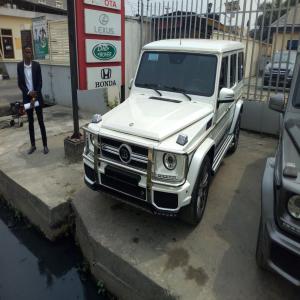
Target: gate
(270, 31)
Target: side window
(232, 70)
(224, 73)
(240, 66)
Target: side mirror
(226, 95)
(277, 103)
(130, 83)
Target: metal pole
(142, 24)
(73, 66)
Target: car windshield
(285, 57)
(178, 72)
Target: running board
(221, 153)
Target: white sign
(102, 51)
(103, 23)
(113, 4)
(103, 77)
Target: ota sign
(113, 4)
(103, 77)
(102, 23)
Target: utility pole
(73, 67)
(142, 23)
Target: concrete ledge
(124, 278)
(52, 221)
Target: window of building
(6, 41)
(292, 44)
(240, 66)
(233, 70)
(224, 73)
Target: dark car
(279, 72)
(278, 244)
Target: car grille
(110, 150)
(276, 71)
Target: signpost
(97, 54)
(100, 30)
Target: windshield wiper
(179, 90)
(152, 87)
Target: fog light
(294, 206)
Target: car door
(221, 108)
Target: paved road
(214, 261)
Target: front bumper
(132, 187)
(271, 80)
(280, 250)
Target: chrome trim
(149, 175)
(87, 157)
(115, 151)
(165, 183)
(138, 171)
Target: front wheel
(236, 136)
(193, 213)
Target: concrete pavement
(41, 186)
(140, 256)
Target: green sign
(40, 38)
(104, 51)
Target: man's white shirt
(28, 77)
(29, 84)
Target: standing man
(30, 83)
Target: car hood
(283, 66)
(154, 118)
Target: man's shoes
(31, 150)
(46, 150)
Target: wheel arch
(207, 148)
(238, 110)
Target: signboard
(102, 23)
(40, 38)
(113, 4)
(100, 40)
(103, 77)
(102, 51)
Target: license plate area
(123, 181)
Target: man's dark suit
(37, 83)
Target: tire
(193, 213)
(12, 123)
(260, 259)
(236, 136)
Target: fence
(270, 31)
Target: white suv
(159, 148)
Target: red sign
(100, 33)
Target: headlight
(169, 167)
(170, 161)
(89, 142)
(294, 206)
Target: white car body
(153, 123)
